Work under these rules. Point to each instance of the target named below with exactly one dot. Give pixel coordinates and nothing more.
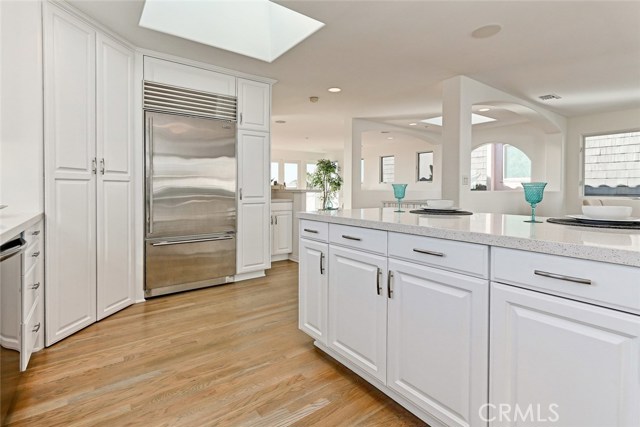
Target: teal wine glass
(398, 193)
(533, 192)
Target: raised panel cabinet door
(573, 363)
(254, 105)
(357, 309)
(70, 180)
(438, 341)
(253, 167)
(282, 233)
(254, 252)
(187, 76)
(115, 207)
(313, 289)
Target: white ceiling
(389, 58)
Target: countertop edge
(17, 224)
(572, 250)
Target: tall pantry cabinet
(88, 174)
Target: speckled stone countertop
(507, 231)
(13, 223)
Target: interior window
(387, 169)
(291, 175)
(275, 170)
(425, 167)
(498, 166)
(612, 165)
(311, 169)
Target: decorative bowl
(607, 212)
(440, 204)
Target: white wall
(578, 127)
(21, 168)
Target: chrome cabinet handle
(276, 218)
(378, 277)
(102, 166)
(272, 220)
(94, 166)
(240, 118)
(35, 286)
(240, 191)
(389, 290)
(35, 233)
(562, 277)
(35, 254)
(423, 251)
(344, 236)
(321, 262)
(308, 230)
(36, 328)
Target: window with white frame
(275, 172)
(612, 164)
(387, 169)
(291, 175)
(497, 166)
(311, 169)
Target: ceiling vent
(549, 97)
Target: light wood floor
(227, 356)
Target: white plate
(585, 218)
(431, 208)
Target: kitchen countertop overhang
(507, 231)
(13, 223)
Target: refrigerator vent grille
(173, 99)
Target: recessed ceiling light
(413, 124)
(475, 120)
(334, 89)
(482, 110)
(486, 31)
(280, 121)
(389, 137)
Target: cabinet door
(313, 290)
(115, 208)
(357, 309)
(253, 238)
(187, 76)
(70, 181)
(573, 363)
(254, 104)
(282, 237)
(438, 341)
(253, 167)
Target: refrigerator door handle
(150, 177)
(180, 242)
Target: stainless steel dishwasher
(10, 282)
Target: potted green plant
(326, 178)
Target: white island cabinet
(481, 320)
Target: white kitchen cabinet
(313, 291)
(88, 174)
(254, 105)
(572, 362)
(357, 309)
(281, 228)
(253, 238)
(437, 341)
(188, 76)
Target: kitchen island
(469, 319)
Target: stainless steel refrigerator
(190, 202)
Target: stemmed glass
(533, 192)
(398, 193)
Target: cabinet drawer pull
(35, 286)
(36, 328)
(378, 276)
(423, 251)
(389, 290)
(562, 277)
(35, 254)
(308, 230)
(35, 233)
(321, 263)
(344, 236)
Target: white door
(438, 341)
(357, 309)
(282, 236)
(254, 104)
(313, 289)
(253, 167)
(70, 182)
(573, 363)
(115, 208)
(253, 252)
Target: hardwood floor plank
(224, 356)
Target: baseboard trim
(246, 276)
(279, 257)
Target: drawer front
(364, 239)
(30, 332)
(33, 233)
(610, 285)
(461, 257)
(32, 255)
(282, 207)
(31, 289)
(314, 230)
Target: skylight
(476, 119)
(256, 28)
